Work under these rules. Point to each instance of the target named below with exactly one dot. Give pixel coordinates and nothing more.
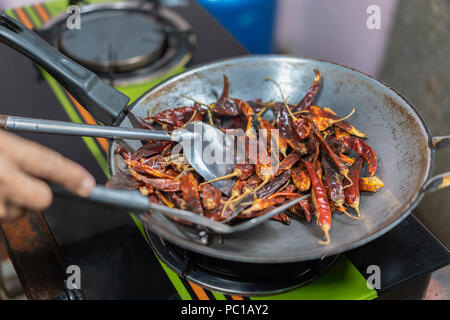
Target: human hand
(24, 165)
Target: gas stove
(237, 278)
(125, 43)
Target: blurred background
(409, 50)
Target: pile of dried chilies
(319, 153)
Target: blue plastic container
(250, 21)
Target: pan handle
(101, 100)
(442, 180)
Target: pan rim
(213, 252)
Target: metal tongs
(134, 200)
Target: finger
(3, 211)
(47, 164)
(22, 190)
(9, 211)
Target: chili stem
(235, 173)
(342, 119)
(344, 211)
(326, 231)
(282, 97)
(211, 122)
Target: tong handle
(31, 125)
(133, 200)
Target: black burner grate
(128, 42)
(237, 278)
(122, 39)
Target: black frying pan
(393, 126)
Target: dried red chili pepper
(284, 194)
(352, 194)
(343, 125)
(257, 105)
(241, 170)
(262, 161)
(154, 199)
(261, 204)
(364, 150)
(146, 190)
(334, 186)
(126, 154)
(280, 142)
(300, 127)
(219, 213)
(178, 117)
(306, 207)
(168, 185)
(245, 170)
(252, 182)
(147, 169)
(336, 144)
(324, 122)
(289, 161)
(177, 199)
(282, 217)
(340, 165)
(138, 121)
(156, 162)
(274, 185)
(151, 148)
(237, 188)
(236, 191)
(257, 210)
(309, 97)
(189, 188)
(164, 199)
(300, 177)
(348, 160)
(320, 201)
(370, 184)
(303, 210)
(244, 107)
(238, 122)
(286, 132)
(266, 129)
(225, 105)
(210, 196)
(340, 133)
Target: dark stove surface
(237, 278)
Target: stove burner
(124, 40)
(125, 43)
(237, 278)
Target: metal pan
(395, 130)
